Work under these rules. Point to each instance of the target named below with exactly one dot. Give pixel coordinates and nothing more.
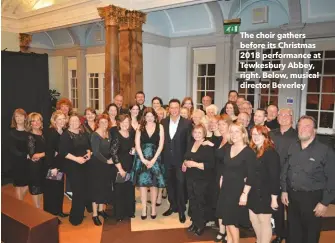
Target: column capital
(133, 20)
(25, 40)
(112, 15)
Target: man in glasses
(282, 137)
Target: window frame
(324, 44)
(195, 83)
(101, 91)
(70, 88)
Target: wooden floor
(113, 232)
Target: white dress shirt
(173, 127)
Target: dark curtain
(24, 84)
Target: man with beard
(308, 183)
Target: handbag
(57, 177)
(120, 179)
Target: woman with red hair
(262, 201)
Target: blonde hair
(32, 116)
(161, 109)
(242, 129)
(54, 117)
(188, 112)
(20, 112)
(198, 111)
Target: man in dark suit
(118, 101)
(139, 100)
(177, 131)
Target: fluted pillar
(131, 55)
(112, 15)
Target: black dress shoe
(103, 214)
(119, 219)
(169, 212)
(182, 218)
(191, 228)
(96, 220)
(220, 237)
(278, 240)
(199, 232)
(153, 216)
(63, 215)
(132, 216)
(143, 217)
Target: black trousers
(279, 218)
(78, 179)
(196, 190)
(124, 203)
(303, 225)
(176, 188)
(53, 196)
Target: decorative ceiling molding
(216, 15)
(77, 12)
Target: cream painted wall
(178, 73)
(10, 41)
(56, 74)
(156, 72)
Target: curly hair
(64, 101)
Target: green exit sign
(231, 28)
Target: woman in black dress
(238, 174)
(75, 147)
(36, 152)
(89, 124)
(99, 167)
(262, 201)
(18, 153)
(220, 144)
(54, 189)
(198, 164)
(123, 149)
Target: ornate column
(25, 40)
(131, 55)
(112, 15)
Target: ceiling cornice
(77, 12)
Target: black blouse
(36, 144)
(267, 178)
(101, 147)
(205, 155)
(121, 146)
(53, 159)
(72, 143)
(18, 143)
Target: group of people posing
(233, 168)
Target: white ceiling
(23, 6)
